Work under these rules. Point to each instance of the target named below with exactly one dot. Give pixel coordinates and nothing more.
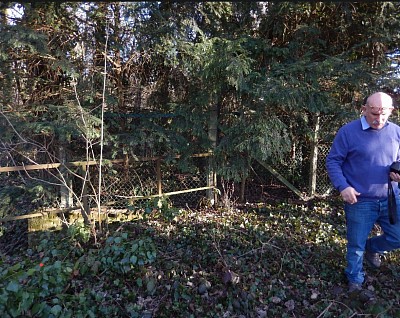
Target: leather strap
(392, 207)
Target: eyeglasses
(380, 110)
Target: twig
(325, 310)
(216, 245)
(343, 304)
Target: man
(358, 165)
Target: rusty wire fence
(129, 184)
(126, 186)
(262, 185)
(295, 168)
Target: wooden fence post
(66, 198)
(314, 156)
(159, 181)
(85, 202)
(213, 136)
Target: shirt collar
(365, 124)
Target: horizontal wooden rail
(46, 212)
(89, 163)
(277, 175)
(167, 194)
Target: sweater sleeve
(335, 159)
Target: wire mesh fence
(323, 184)
(296, 169)
(126, 184)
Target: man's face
(377, 115)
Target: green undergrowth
(285, 260)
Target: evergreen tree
(265, 69)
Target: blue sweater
(360, 157)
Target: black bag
(392, 207)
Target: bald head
(380, 100)
(377, 109)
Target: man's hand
(395, 176)
(350, 194)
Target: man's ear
(363, 109)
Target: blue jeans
(360, 219)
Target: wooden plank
(133, 198)
(139, 197)
(314, 155)
(45, 166)
(45, 212)
(283, 180)
(171, 193)
(159, 181)
(88, 163)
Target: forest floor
(277, 258)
